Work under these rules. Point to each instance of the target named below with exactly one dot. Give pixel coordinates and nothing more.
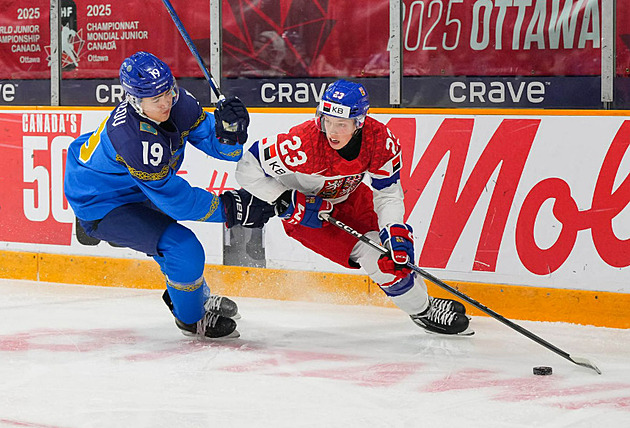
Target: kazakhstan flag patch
(148, 128)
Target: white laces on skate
(222, 305)
(209, 320)
(213, 304)
(439, 316)
(447, 305)
(441, 304)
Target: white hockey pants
(409, 294)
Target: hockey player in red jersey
(319, 166)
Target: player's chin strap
(361, 237)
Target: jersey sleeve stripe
(381, 183)
(255, 150)
(196, 124)
(213, 208)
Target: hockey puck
(543, 370)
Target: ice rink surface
(79, 356)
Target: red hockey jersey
(302, 159)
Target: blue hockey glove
(398, 239)
(243, 208)
(231, 121)
(297, 208)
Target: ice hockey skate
(447, 305)
(212, 325)
(222, 306)
(218, 321)
(436, 320)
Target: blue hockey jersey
(131, 159)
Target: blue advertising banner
(25, 92)
(430, 92)
(299, 92)
(502, 92)
(420, 92)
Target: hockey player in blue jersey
(121, 182)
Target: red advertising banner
(440, 37)
(33, 148)
(97, 35)
(543, 37)
(623, 39)
(317, 38)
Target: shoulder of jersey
(187, 112)
(123, 126)
(375, 130)
(382, 146)
(133, 139)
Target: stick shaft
(473, 302)
(193, 49)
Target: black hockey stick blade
(580, 361)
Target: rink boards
(525, 211)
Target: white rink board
(566, 151)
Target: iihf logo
(72, 41)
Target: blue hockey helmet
(348, 100)
(143, 75)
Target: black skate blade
(234, 335)
(466, 333)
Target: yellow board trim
(604, 309)
(18, 265)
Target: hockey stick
(193, 49)
(580, 361)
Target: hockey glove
(243, 208)
(231, 121)
(297, 208)
(398, 239)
